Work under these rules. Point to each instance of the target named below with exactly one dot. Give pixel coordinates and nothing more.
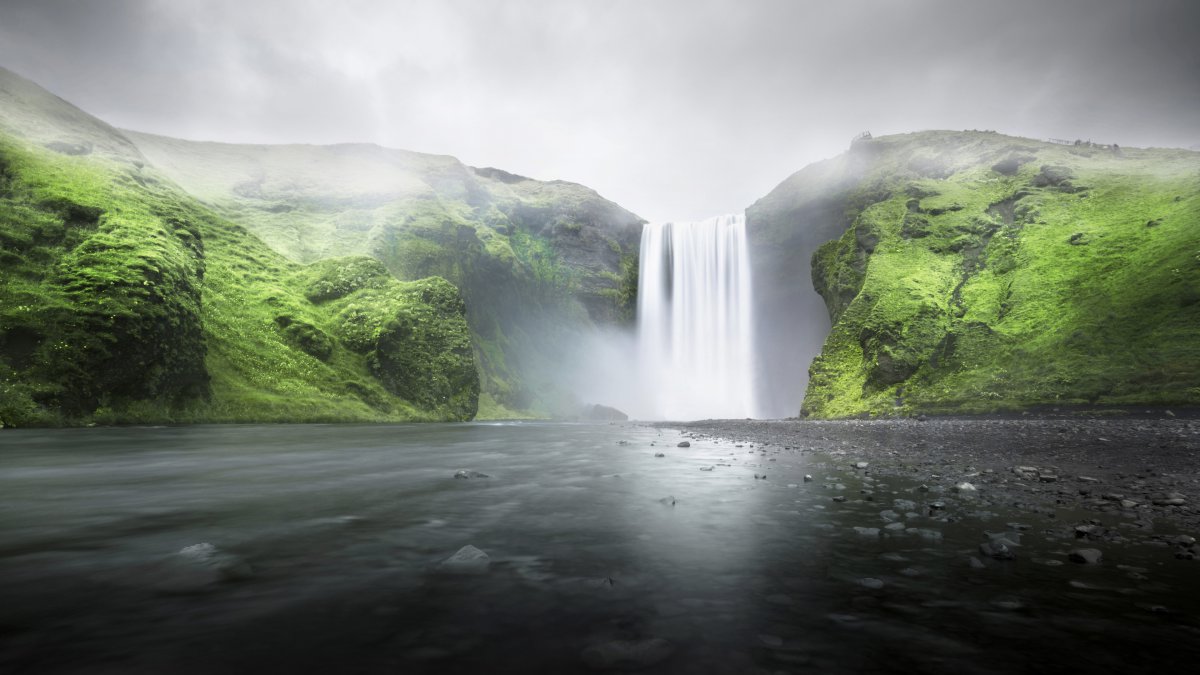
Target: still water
(325, 546)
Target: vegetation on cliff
(978, 272)
(534, 260)
(122, 299)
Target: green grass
(958, 288)
(122, 300)
(522, 252)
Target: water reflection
(325, 544)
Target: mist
(676, 110)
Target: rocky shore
(1116, 480)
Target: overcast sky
(676, 110)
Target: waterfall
(694, 326)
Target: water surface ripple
(325, 546)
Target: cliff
(975, 272)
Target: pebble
(1085, 556)
(683, 444)
(199, 567)
(467, 474)
(867, 531)
(860, 465)
(925, 533)
(808, 478)
(467, 560)
(996, 550)
(659, 454)
(871, 582)
(965, 487)
(709, 468)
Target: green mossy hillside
(534, 260)
(123, 300)
(979, 272)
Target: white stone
(467, 560)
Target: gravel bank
(1139, 469)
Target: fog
(677, 110)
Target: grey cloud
(674, 109)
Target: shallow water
(330, 539)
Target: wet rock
(924, 533)
(997, 550)
(659, 454)
(904, 504)
(839, 498)
(1048, 478)
(1008, 603)
(627, 654)
(894, 527)
(867, 531)
(1085, 556)
(1169, 499)
(965, 487)
(466, 560)
(976, 563)
(467, 474)
(808, 478)
(198, 568)
(871, 583)
(860, 465)
(683, 444)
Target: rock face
(973, 272)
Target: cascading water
(694, 326)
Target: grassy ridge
(980, 272)
(124, 300)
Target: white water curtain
(694, 326)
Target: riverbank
(1130, 469)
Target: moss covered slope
(980, 272)
(122, 299)
(534, 260)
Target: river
(247, 549)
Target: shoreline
(1131, 469)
